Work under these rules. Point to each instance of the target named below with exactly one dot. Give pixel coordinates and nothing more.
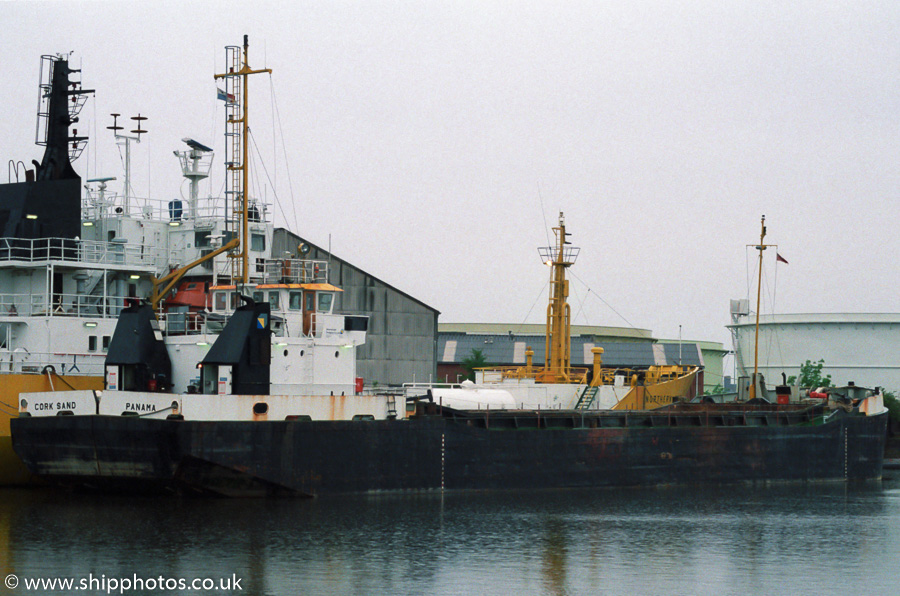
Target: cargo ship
(43, 332)
(267, 405)
(75, 252)
(232, 438)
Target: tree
(811, 375)
(718, 389)
(892, 404)
(474, 360)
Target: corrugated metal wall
(401, 342)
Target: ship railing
(411, 390)
(578, 375)
(113, 205)
(540, 374)
(82, 251)
(62, 305)
(21, 360)
(291, 271)
(192, 322)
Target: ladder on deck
(234, 157)
(587, 398)
(391, 407)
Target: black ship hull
(455, 450)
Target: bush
(811, 375)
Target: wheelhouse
(296, 308)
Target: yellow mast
(760, 247)
(242, 71)
(559, 333)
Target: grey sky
(425, 136)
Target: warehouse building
(401, 341)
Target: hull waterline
(452, 451)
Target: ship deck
(679, 415)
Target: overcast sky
(436, 141)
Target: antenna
(139, 119)
(127, 141)
(115, 125)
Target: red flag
(778, 257)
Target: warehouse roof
(509, 349)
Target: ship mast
(559, 332)
(236, 149)
(760, 247)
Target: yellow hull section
(12, 470)
(659, 394)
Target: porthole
(285, 353)
(337, 353)
(301, 353)
(260, 407)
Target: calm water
(735, 540)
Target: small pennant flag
(778, 257)
(226, 97)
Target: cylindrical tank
(472, 397)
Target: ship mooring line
(541, 293)
(544, 214)
(599, 297)
(287, 167)
(266, 172)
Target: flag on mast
(226, 97)
(778, 257)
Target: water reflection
(719, 540)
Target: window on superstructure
(92, 343)
(220, 301)
(201, 239)
(105, 343)
(274, 300)
(257, 242)
(325, 299)
(259, 296)
(296, 301)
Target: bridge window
(296, 301)
(325, 299)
